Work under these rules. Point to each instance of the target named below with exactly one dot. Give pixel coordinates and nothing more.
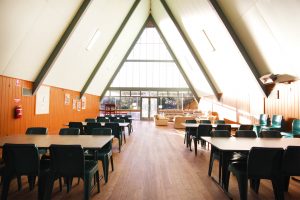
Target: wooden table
(195, 125)
(227, 146)
(44, 141)
(122, 124)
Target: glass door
(148, 108)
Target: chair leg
(31, 182)
(243, 186)
(195, 146)
(277, 188)
(5, 187)
(254, 184)
(98, 181)
(210, 163)
(123, 132)
(120, 142)
(60, 184)
(286, 183)
(87, 187)
(19, 183)
(112, 162)
(104, 166)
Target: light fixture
(209, 43)
(93, 40)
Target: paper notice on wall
(42, 100)
(74, 104)
(83, 102)
(67, 99)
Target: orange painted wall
(59, 113)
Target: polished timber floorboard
(155, 164)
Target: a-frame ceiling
(196, 31)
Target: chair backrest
(291, 161)
(103, 131)
(224, 127)
(69, 131)
(102, 119)
(219, 121)
(245, 133)
(277, 121)
(90, 126)
(264, 162)
(126, 119)
(205, 121)
(191, 121)
(263, 119)
(204, 130)
(220, 133)
(246, 127)
(115, 128)
(270, 134)
(77, 125)
(111, 118)
(21, 159)
(296, 126)
(119, 120)
(67, 160)
(37, 131)
(91, 120)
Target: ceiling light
(93, 40)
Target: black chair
(105, 120)
(215, 153)
(105, 153)
(245, 127)
(189, 132)
(21, 160)
(90, 126)
(36, 131)
(226, 127)
(245, 133)
(116, 131)
(90, 120)
(219, 121)
(68, 161)
(263, 163)
(127, 120)
(291, 164)
(122, 128)
(202, 130)
(69, 131)
(205, 121)
(270, 134)
(77, 125)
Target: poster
(83, 102)
(74, 104)
(67, 99)
(42, 100)
(78, 105)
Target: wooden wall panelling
(59, 113)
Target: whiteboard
(42, 100)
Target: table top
(193, 125)
(123, 124)
(86, 141)
(245, 144)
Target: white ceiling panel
(180, 49)
(214, 45)
(75, 60)
(29, 31)
(270, 32)
(120, 48)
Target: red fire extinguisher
(18, 112)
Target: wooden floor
(155, 164)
